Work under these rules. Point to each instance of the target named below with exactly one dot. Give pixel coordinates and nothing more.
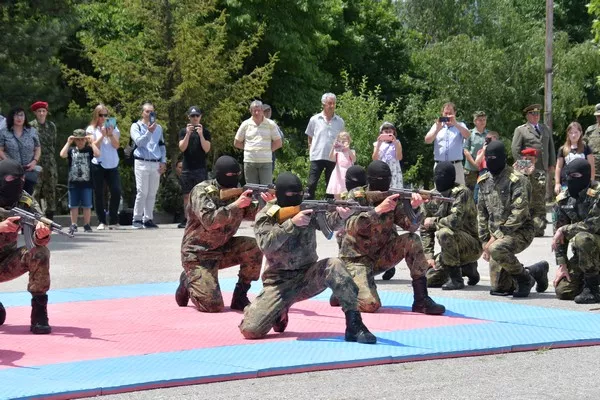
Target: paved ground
(127, 256)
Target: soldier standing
(15, 261)
(592, 139)
(526, 165)
(293, 273)
(209, 244)
(455, 226)
(537, 135)
(371, 245)
(46, 189)
(578, 222)
(506, 228)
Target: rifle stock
(226, 194)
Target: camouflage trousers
(503, 261)
(203, 281)
(585, 260)
(46, 188)
(35, 261)
(282, 288)
(457, 248)
(364, 269)
(538, 203)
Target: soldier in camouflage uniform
(505, 226)
(46, 187)
(15, 261)
(537, 179)
(592, 138)
(293, 273)
(455, 226)
(209, 243)
(577, 213)
(371, 245)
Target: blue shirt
(150, 145)
(448, 144)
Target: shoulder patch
(456, 189)
(561, 196)
(211, 189)
(592, 192)
(27, 200)
(273, 210)
(514, 177)
(483, 177)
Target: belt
(145, 159)
(453, 162)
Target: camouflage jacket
(285, 245)
(461, 215)
(503, 205)
(212, 222)
(367, 233)
(592, 138)
(8, 241)
(576, 215)
(47, 135)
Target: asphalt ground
(127, 256)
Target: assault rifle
(406, 196)
(226, 194)
(320, 207)
(28, 221)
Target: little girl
(388, 149)
(344, 158)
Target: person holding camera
(388, 149)
(471, 147)
(150, 157)
(79, 150)
(194, 143)
(447, 136)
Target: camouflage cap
(478, 114)
(79, 133)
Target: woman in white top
(389, 150)
(105, 168)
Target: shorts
(80, 197)
(190, 178)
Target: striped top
(257, 140)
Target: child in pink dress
(344, 158)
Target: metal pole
(548, 64)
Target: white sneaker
(101, 227)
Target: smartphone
(444, 119)
(110, 122)
(524, 163)
(152, 117)
(488, 140)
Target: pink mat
(123, 327)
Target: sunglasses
(103, 115)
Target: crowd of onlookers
(93, 158)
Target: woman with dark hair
(20, 142)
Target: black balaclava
(10, 192)
(224, 165)
(379, 176)
(577, 184)
(497, 164)
(288, 182)
(444, 176)
(356, 176)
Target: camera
(444, 119)
(488, 140)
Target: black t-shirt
(194, 157)
(80, 167)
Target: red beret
(39, 104)
(530, 151)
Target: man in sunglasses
(538, 136)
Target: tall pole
(548, 64)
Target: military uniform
(455, 226)
(537, 180)
(371, 246)
(504, 212)
(592, 138)
(15, 261)
(47, 181)
(209, 245)
(293, 273)
(580, 218)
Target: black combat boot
(356, 331)
(590, 294)
(455, 280)
(39, 315)
(182, 295)
(2, 314)
(333, 301)
(239, 301)
(282, 322)
(422, 302)
(470, 271)
(389, 274)
(524, 284)
(539, 272)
